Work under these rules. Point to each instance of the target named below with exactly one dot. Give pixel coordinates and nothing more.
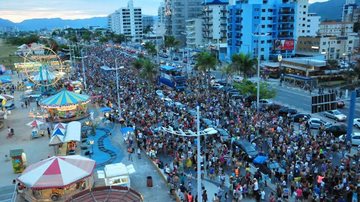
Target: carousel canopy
(64, 98)
(44, 75)
(60, 125)
(57, 172)
(56, 139)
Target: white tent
(116, 174)
(73, 132)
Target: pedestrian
(139, 153)
(26, 103)
(130, 151)
(216, 198)
(204, 196)
(48, 132)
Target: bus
(172, 77)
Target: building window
(263, 10)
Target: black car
(247, 148)
(340, 104)
(284, 111)
(297, 118)
(336, 130)
(273, 107)
(176, 59)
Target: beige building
(332, 47)
(336, 28)
(194, 37)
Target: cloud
(19, 10)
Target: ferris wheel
(42, 66)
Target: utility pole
(198, 155)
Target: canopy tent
(60, 125)
(105, 109)
(55, 140)
(57, 172)
(44, 75)
(6, 97)
(5, 79)
(59, 131)
(64, 98)
(73, 132)
(35, 123)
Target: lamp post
(258, 70)
(106, 68)
(83, 69)
(91, 142)
(208, 131)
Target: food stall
(69, 175)
(18, 159)
(66, 106)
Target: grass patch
(7, 55)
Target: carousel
(66, 106)
(56, 178)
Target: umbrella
(260, 159)
(35, 123)
(44, 75)
(105, 109)
(57, 172)
(8, 97)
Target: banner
(284, 44)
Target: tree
(149, 70)
(150, 48)
(170, 42)
(147, 30)
(243, 63)
(333, 64)
(247, 87)
(137, 64)
(205, 62)
(118, 38)
(228, 71)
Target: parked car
(217, 86)
(264, 103)
(274, 107)
(237, 79)
(336, 130)
(247, 148)
(316, 123)
(10, 105)
(355, 139)
(357, 122)
(176, 58)
(284, 111)
(335, 114)
(340, 104)
(163, 55)
(300, 117)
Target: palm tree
(137, 64)
(171, 42)
(150, 48)
(228, 71)
(205, 62)
(243, 63)
(149, 70)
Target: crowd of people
(315, 169)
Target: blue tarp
(5, 79)
(260, 159)
(127, 130)
(105, 109)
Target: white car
(237, 79)
(316, 123)
(217, 86)
(355, 139)
(335, 114)
(357, 122)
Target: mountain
(52, 23)
(329, 10)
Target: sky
(19, 10)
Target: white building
(349, 11)
(313, 24)
(336, 28)
(215, 23)
(161, 13)
(301, 14)
(127, 21)
(194, 37)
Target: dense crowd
(315, 168)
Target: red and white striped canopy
(57, 172)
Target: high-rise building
(264, 27)
(313, 24)
(194, 37)
(161, 13)
(177, 12)
(148, 21)
(301, 13)
(349, 12)
(334, 28)
(214, 30)
(127, 21)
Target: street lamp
(189, 133)
(258, 70)
(91, 142)
(83, 67)
(106, 68)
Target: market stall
(116, 174)
(56, 178)
(66, 106)
(18, 159)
